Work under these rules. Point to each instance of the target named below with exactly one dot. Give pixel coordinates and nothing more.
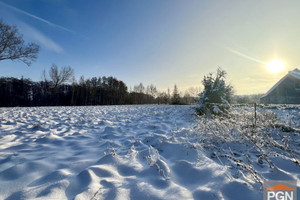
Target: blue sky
(161, 42)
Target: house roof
(293, 73)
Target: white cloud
(37, 18)
(40, 38)
(245, 56)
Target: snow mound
(131, 152)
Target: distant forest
(60, 88)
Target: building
(285, 91)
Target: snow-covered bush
(216, 96)
(247, 150)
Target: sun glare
(275, 66)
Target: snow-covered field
(145, 152)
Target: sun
(275, 66)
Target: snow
(143, 152)
(216, 110)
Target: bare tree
(44, 76)
(175, 97)
(139, 88)
(193, 91)
(153, 91)
(59, 77)
(12, 46)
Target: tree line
(58, 87)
